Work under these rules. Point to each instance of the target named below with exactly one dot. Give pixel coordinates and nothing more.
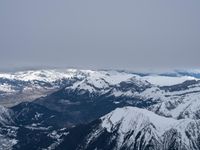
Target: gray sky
(129, 34)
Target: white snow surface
(131, 116)
(40, 75)
(184, 101)
(101, 80)
(6, 88)
(112, 77)
(127, 119)
(167, 80)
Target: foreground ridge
(135, 128)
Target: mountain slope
(5, 116)
(28, 85)
(134, 128)
(100, 89)
(169, 118)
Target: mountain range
(99, 109)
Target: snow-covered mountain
(29, 85)
(151, 111)
(174, 95)
(134, 128)
(179, 99)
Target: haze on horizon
(109, 34)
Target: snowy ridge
(29, 85)
(167, 80)
(135, 117)
(179, 103)
(113, 77)
(134, 128)
(169, 119)
(40, 75)
(101, 80)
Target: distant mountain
(101, 92)
(29, 85)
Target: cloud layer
(100, 34)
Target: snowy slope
(178, 100)
(103, 81)
(129, 119)
(134, 128)
(167, 80)
(170, 114)
(29, 85)
(40, 75)
(111, 77)
(172, 97)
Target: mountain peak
(135, 128)
(133, 116)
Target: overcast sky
(117, 34)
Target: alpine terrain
(99, 110)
